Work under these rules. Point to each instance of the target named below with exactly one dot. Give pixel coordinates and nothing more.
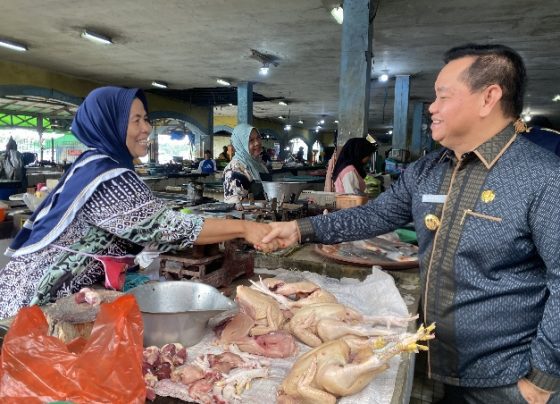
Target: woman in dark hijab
(349, 171)
(101, 214)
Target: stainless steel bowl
(178, 311)
(284, 191)
(3, 332)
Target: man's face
(456, 107)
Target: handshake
(269, 237)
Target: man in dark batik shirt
(486, 208)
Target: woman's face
(255, 143)
(139, 129)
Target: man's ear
(491, 97)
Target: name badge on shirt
(434, 198)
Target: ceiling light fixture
(527, 117)
(338, 14)
(384, 77)
(95, 37)
(263, 71)
(300, 122)
(288, 127)
(556, 98)
(223, 82)
(159, 84)
(336, 121)
(283, 103)
(322, 121)
(281, 117)
(266, 59)
(13, 45)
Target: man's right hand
(285, 234)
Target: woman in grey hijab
(244, 173)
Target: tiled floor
(424, 390)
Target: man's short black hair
(494, 64)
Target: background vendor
(246, 171)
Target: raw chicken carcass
(277, 344)
(318, 323)
(255, 328)
(187, 374)
(264, 310)
(293, 295)
(343, 367)
(304, 322)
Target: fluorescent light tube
(223, 82)
(159, 84)
(13, 45)
(95, 37)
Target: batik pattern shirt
(120, 218)
(490, 272)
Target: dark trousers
(493, 395)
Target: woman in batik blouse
(101, 211)
(245, 172)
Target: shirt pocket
(483, 216)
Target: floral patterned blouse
(120, 218)
(237, 182)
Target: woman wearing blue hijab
(243, 175)
(101, 214)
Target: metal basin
(178, 311)
(3, 332)
(284, 191)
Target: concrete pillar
(355, 69)
(245, 102)
(416, 142)
(400, 115)
(40, 129)
(210, 126)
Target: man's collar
(490, 151)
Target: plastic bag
(106, 368)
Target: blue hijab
(240, 141)
(101, 123)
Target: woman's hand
(285, 234)
(531, 393)
(254, 232)
(218, 230)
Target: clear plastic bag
(105, 368)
